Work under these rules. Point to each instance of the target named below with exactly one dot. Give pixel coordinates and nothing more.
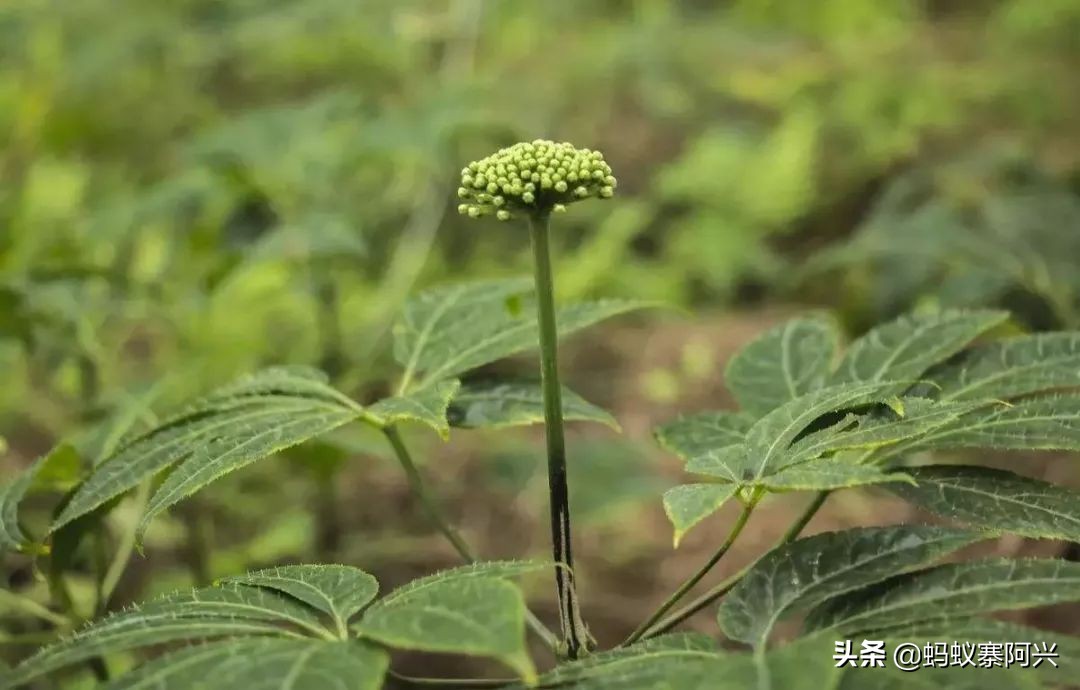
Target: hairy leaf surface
(262, 664)
(448, 331)
(996, 500)
(1047, 423)
(905, 348)
(498, 404)
(340, 591)
(830, 473)
(469, 610)
(697, 434)
(428, 405)
(950, 591)
(1012, 367)
(784, 363)
(804, 573)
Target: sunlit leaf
(829, 473)
(1011, 367)
(428, 405)
(1047, 423)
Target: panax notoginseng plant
(814, 417)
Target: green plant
(811, 418)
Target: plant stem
(724, 587)
(123, 553)
(438, 518)
(427, 500)
(573, 628)
(692, 581)
(33, 608)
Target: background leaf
(693, 435)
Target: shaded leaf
(689, 504)
(448, 331)
(829, 473)
(497, 404)
(950, 591)
(57, 470)
(905, 348)
(1011, 367)
(996, 500)
(262, 664)
(427, 405)
(469, 610)
(338, 590)
(782, 364)
(1049, 423)
(804, 573)
(698, 434)
(768, 440)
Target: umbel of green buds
(533, 177)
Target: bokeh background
(193, 189)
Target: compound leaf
(996, 500)
(905, 348)
(498, 404)
(804, 573)
(950, 591)
(782, 364)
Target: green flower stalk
(533, 180)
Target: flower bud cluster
(531, 177)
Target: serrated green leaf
(768, 440)
(239, 423)
(224, 611)
(1012, 367)
(469, 610)
(996, 500)
(782, 364)
(689, 504)
(496, 405)
(829, 473)
(905, 348)
(804, 664)
(704, 432)
(920, 417)
(939, 678)
(950, 591)
(448, 331)
(57, 470)
(804, 573)
(428, 405)
(665, 652)
(1048, 423)
(262, 664)
(338, 590)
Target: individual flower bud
(463, 209)
(560, 186)
(581, 192)
(503, 214)
(559, 208)
(607, 192)
(499, 201)
(528, 197)
(474, 212)
(463, 193)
